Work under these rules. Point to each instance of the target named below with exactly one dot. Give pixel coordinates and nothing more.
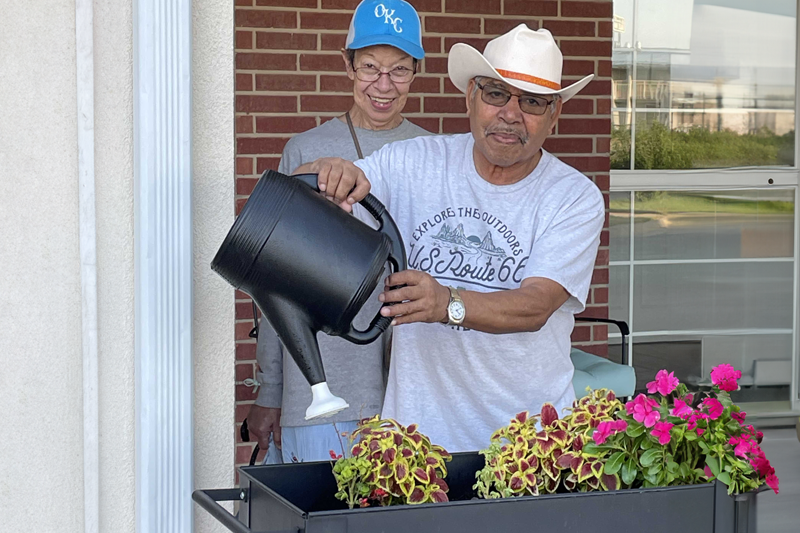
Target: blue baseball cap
(392, 22)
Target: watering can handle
(397, 258)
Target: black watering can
(309, 266)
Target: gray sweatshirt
(353, 372)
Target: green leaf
(654, 469)
(629, 472)
(724, 477)
(713, 464)
(646, 444)
(703, 446)
(634, 430)
(672, 467)
(685, 470)
(650, 456)
(690, 436)
(614, 463)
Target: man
(380, 57)
(501, 238)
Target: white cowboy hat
(526, 59)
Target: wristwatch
(456, 312)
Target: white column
(163, 259)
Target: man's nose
(511, 112)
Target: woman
(381, 53)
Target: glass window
(703, 83)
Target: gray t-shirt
(353, 372)
(461, 385)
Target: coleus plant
(541, 453)
(391, 464)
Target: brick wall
(290, 77)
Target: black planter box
(300, 498)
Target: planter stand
(299, 498)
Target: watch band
(454, 297)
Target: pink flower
(681, 409)
(742, 445)
(662, 432)
(707, 471)
(688, 398)
(772, 482)
(725, 377)
(665, 383)
(739, 417)
(642, 409)
(606, 429)
(692, 422)
(714, 407)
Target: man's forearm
(525, 309)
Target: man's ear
(468, 95)
(347, 66)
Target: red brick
(287, 3)
(605, 237)
(242, 410)
(267, 163)
(286, 41)
(325, 103)
(471, 7)
(260, 145)
(568, 145)
(495, 27)
(530, 7)
(413, 105)
(427, 6)
(446, 104)
(244, 187)
(599, 333)
(333, 41)
(340, 84)
(602, 257)
(598, 10)
(578, 106)
(452, 24)
(285, 82)
(432, 45)
(455, 125)
(603, 145)
(436, 65)
(349, 5)
(266, 61)
(588, 164)
(584, 125)
(245, 351)
(600, 276)
(423, 84)
(603, 106)
(325, 21)
(581, 334)
(605, 28)
(574, 28)
(284, 124)
(586, 48)
(243, 3)
(243, 452)
(244, 371)
(244, 39)
(244, 166)
(241, 295)
(595, 312)
(242, 333)
(602, 182)
(604, 68)
(244, 82)
(245, 393)
(475, 42)
(595, 87)
(428, 123)
(265, 104)
(251, 18)
(239, 205)
(576, 67)
(600, 350)
(324, 62)
(600, 295)
(449, 87)
(244, 124)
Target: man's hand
(263, 421)
(424, 299)
(339, 180)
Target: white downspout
(84, 47)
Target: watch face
(456, 310)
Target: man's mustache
(522, 135)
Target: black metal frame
(623, 329)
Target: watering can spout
(299, 337)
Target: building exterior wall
(290, 77)
(41, 382)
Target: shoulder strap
(353, 134)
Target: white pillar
(163, 259)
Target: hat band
(530, 79)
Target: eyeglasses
(397, 75)
(528, 103)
